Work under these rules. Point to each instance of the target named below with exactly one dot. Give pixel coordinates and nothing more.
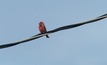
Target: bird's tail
(47, 36)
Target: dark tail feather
(47, 36)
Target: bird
(42, 28)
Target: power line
(53, 31)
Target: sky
(84, 45)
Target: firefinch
(42, 28)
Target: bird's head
(41, 24)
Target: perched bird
(42, 28)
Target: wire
(53, 31)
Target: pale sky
(84, 45)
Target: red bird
(42, 28)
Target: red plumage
(42, 28)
